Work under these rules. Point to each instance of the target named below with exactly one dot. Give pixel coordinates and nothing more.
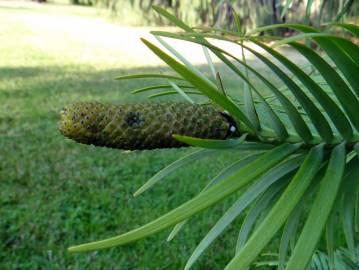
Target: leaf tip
(187, 266)
(138, 192)
(178, 137)
(144, 40)
(73, 249)
(169, 238)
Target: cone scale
(142, 125)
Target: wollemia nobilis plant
(300, 182)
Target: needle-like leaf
(210, 143)
(249, 103)
(349, 190)
(209, 62)
(275, 121)
(242, 203)
(346, 98)
(299, 37)
(188, 159)
(154, 87)
(298, 122)
(181, 92)
(266, 201)
(342, 60)
(180, 57)
(147, 75)
(203, 85)
(292, 224)
(329, 235)
(354, 29)
(168, 93)
(337, 116)
(320, 211)
(226, 172)
(349, 47)
(280, 212)
(199, 203)
(318, 119)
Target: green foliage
(341, 259)
(250, 13)
(314, 162)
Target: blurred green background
(54, 192)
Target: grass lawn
(55, 193)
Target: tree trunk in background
(275, 11)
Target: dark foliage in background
(252, 13)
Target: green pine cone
(143, 125)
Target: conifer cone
(143, 125)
